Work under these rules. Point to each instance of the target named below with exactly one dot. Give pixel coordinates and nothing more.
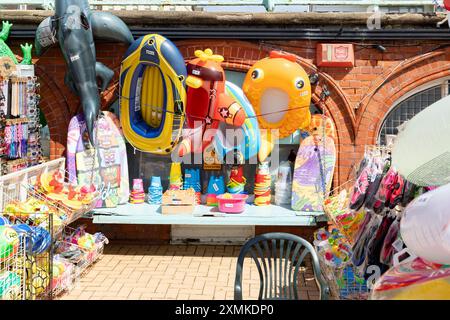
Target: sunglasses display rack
(20, 141)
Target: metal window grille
(408, 108)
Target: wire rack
(343, 281)
(24, 203)
(66, 277)
(12, 270)
(80, 258)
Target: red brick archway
(417, 72)
(56, 110)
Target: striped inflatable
(246, 139)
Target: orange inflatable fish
(280, 92)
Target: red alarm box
(335, 55)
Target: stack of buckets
(192, 180)
(175, 179)
(262, 185)
(155, 191)
(237, 181)
(137, 194)
(216, 186)
(283, 185)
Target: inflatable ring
(249, 137)
(152, 94)
(280, 92)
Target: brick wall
(360, 96)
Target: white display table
(253, 215)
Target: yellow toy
(280, 92)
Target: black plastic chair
(278, 257)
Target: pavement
(182, 272)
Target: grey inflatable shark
(74, 26)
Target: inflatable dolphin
(74, 26)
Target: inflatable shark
(74, 26)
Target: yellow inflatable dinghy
(152, 94)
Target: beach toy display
(192, 180)
(74, 197)
(425, 216)
(216, 186)
(333, 246)
(10, 285)
(207, 102)
(155, 191)
(244, 140)
(237, 181)
(175, 178)
(9, 242)
(283, 185)
(262, 185)
(152, 94)
(231, 203)
(279, 90)
(137, 195)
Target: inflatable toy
(425, 226)
(248, 136)
(5, 51)
(10, 285)
(413, 280)
(152, 94)
(279, 90)
(423, 159)
(53, 186)
(9, 242)
(207, 102)
(75, 34)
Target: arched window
(411, 105)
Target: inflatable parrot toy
(207, 102)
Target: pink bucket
(233, 205)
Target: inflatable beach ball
(9, 285)
(9, 242)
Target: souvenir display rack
(20, 145)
